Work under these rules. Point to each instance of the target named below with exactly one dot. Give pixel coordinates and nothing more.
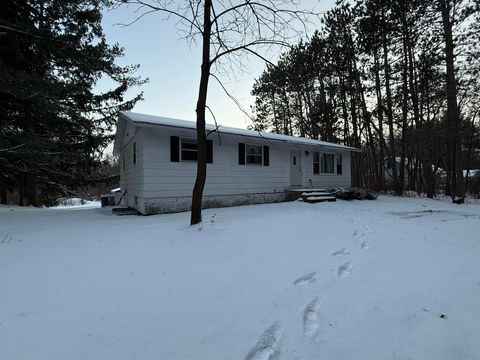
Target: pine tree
(54, 126)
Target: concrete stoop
(309, 195)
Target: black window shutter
(174, 149)
(209, 151)
(134, 153)
(241, 154)
(266, 155)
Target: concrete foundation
(179, 204)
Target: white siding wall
(326, 181)
(225, 176)
(131, 178)
(165, 186)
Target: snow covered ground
(394, 278)
(78, 203)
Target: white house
(158, 164)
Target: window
(316, 163)
(254, 154)
(189, 150)
(327, 164)
(134, 153)
(339, 164)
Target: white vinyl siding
(131, 172)
(163, 178)
(156, 177)
(326, 180)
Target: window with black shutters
(254, 154)
(134, 153)
(189, 150)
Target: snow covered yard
(387, 279)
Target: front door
(295, 168)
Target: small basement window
(189, 150)
(254, 154)
(327, 164)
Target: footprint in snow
(267, 347)
(365, 245)
(310, 318)
(308, 278)
(345, 270)
(343, 251)
(358, 234)
(7, 239)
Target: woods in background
(400, 79)
(397, 78)
(53, 125)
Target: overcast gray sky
(173, 67)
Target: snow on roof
(150, 120)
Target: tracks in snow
(268, 344)
(345, 270)
(308, 278)
(311, 318)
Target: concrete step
(294, 194)
(301, 190)
(316, 193)
(316, 199)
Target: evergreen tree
(54, 125)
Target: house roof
(143, 120)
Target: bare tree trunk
(381, 155)
(346, 132)
(21, 189)
(31, 187)
(196, 215)
(353, 112)
(403, 140)
(453, 116)
(274, 109)
(389, 111)
(3, 191)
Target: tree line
(397, 78)
(55, 122)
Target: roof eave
(121, 126)
(340, 147)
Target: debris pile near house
(354, 194)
